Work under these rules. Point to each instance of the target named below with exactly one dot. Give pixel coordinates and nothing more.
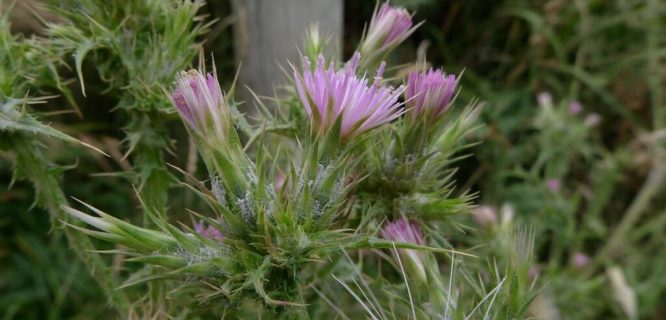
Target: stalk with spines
(21, 134)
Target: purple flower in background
(580, 260)
(545, 99)
(592, 120)
(328, 94)
(209, 232)
(533, 272)
(485, 216)
(575, 107)
(388, 27)
(554, 185)
(404, 231)
(429, 93)
(200, 103)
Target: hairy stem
(31, 162)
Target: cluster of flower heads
(331, 96)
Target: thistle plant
(373, 185)
(352, 166)
(22, 133)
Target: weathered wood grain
(269, 33)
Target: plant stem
(31, 162)
(653, 34)
(651, 188)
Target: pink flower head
(388, 27)
(485, 216)
(575, 107)
(200, 103)
(209, 232)
(429, 92)
(580, 260)
(328, 94)
(592, 120)
(281, 182)
(533, 272)
(554, 185)
(404, 231)
(545, 99)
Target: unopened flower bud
(208, 232)
(389, 27)
(200, 103)
(545, 99)
(405, 231)
(592, 120)
(554, 185)
(281, 182)
(575, 107)
(580, 260)
(533, 272)
(485, 216)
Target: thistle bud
(580, 260)
(209, 232)
(281, 182)
(200, 103)
(592, 120)
(485, 216)
(405, 231)
(575, 107)
(554, 185)
(389, 27)
(202, 106)
(313, 44)
(429, 93)
(545, 99)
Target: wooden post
(269, 33)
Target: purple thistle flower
(388, 27)
(554, 185)
(209, 232)
(281, 182)
(533, 272)
(200, 102)
(328, 94)
(429, 93)
(404, 231)
(580, 260)
(592, 120)
(575, 107)
(485, 216)
(545, 99)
